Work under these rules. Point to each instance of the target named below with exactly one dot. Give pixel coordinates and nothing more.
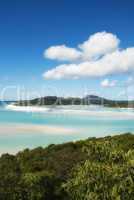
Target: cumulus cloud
(107, 83)
(99, 56)
(116, 62)
(62, 52)
(99, 44)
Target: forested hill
(100, 169)
(89, 99)
(2, 103)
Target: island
(87, 100)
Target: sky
(66, 48)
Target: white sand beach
(91, 111)
(16, 128)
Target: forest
(87, 100)
(95, 168)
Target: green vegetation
(99, 169)
(89, 99)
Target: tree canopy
(96, 168)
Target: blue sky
(29, 27)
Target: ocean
(22, 127)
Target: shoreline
(91, 111)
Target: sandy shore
(15, 128)
(91, 111)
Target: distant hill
(2, 103)
(92, 99)
(87, 100)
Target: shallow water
(22, 128)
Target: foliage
(87, 100)
(108, 174)
(97, 168)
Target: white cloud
(62, 52)
(94, 60)
(99, 44)
(116, 62)
(108, 83)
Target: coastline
(91, 111)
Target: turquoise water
(85, 122)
